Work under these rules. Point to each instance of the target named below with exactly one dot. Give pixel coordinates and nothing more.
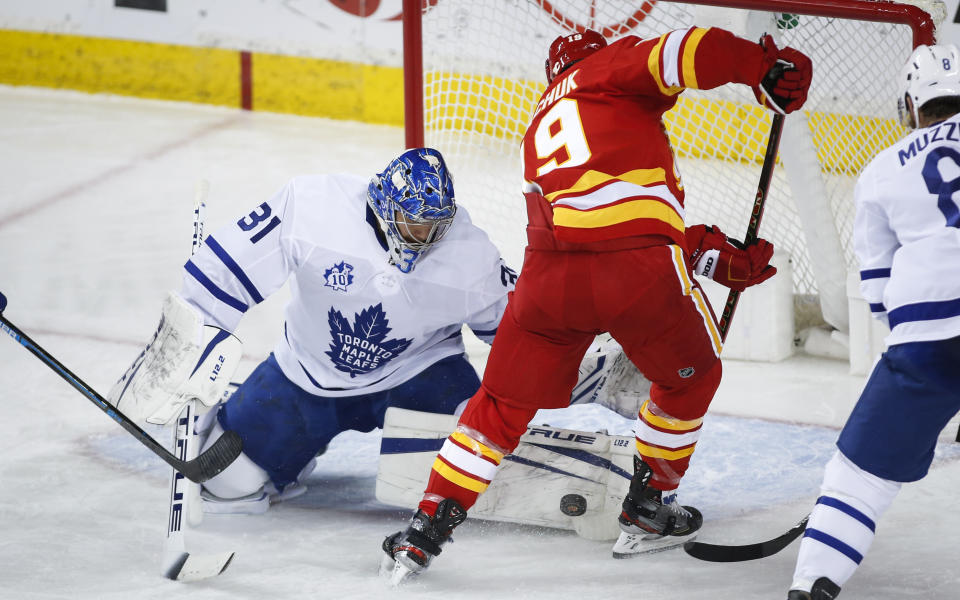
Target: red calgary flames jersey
(596, 158)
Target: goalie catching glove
(786, 78)
(185, 360)
(726, 261)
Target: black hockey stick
(763, 188)
(721, 553)
(200, 469)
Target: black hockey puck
(573, 505)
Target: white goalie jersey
(355, 324)
(907, 234)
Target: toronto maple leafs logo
(339, 276)
(362, 347)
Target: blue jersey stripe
(874, 274)
(834, 543)
(849, 510)
(877, 307)
(479, 332)
(407, 445)
(219, 294)
(925, 311)
(235, 269)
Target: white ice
(96, 197)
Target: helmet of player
(414, 203)
(931, 72)
(568, 49)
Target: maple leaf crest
(362, 347)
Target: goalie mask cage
(474, 70)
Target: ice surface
(96, 198)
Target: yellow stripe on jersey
(444, 470)
(617, 213)
(590, 179)
(667, 422)
(652, 452)
(653, 65)
(687, 60)
(702, 307)
(477, 447)
(680, 265)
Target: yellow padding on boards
(149, 70)
(290, 84)
(328, 88)
(458, 478)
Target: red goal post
(474, 68)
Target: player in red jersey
(608, 251)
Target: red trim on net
(863, 10)
(413, 73)
(246, 80)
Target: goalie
(384, 274)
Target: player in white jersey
(374, 319)
(907, 241)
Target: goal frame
(920, 22)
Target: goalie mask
(414, 203)
(568, 49)
(931, 72)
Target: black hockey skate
(823, 589)
(410, 552)
(650, 523)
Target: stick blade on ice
(721, 553)
(194, 567)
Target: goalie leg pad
(608, 378)
(550, 471)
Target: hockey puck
(573, 505)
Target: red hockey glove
(786, 79)
(726, 261)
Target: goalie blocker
(555, 478)
(185, 360)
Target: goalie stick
(184, 510)
(203, 467)
(719, 552)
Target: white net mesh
(483, 73)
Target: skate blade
(395, 572)
(400, 574)
(629, 545)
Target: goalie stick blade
(194, 567)
(720, 553)
(215, 459)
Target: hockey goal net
(482, 72)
